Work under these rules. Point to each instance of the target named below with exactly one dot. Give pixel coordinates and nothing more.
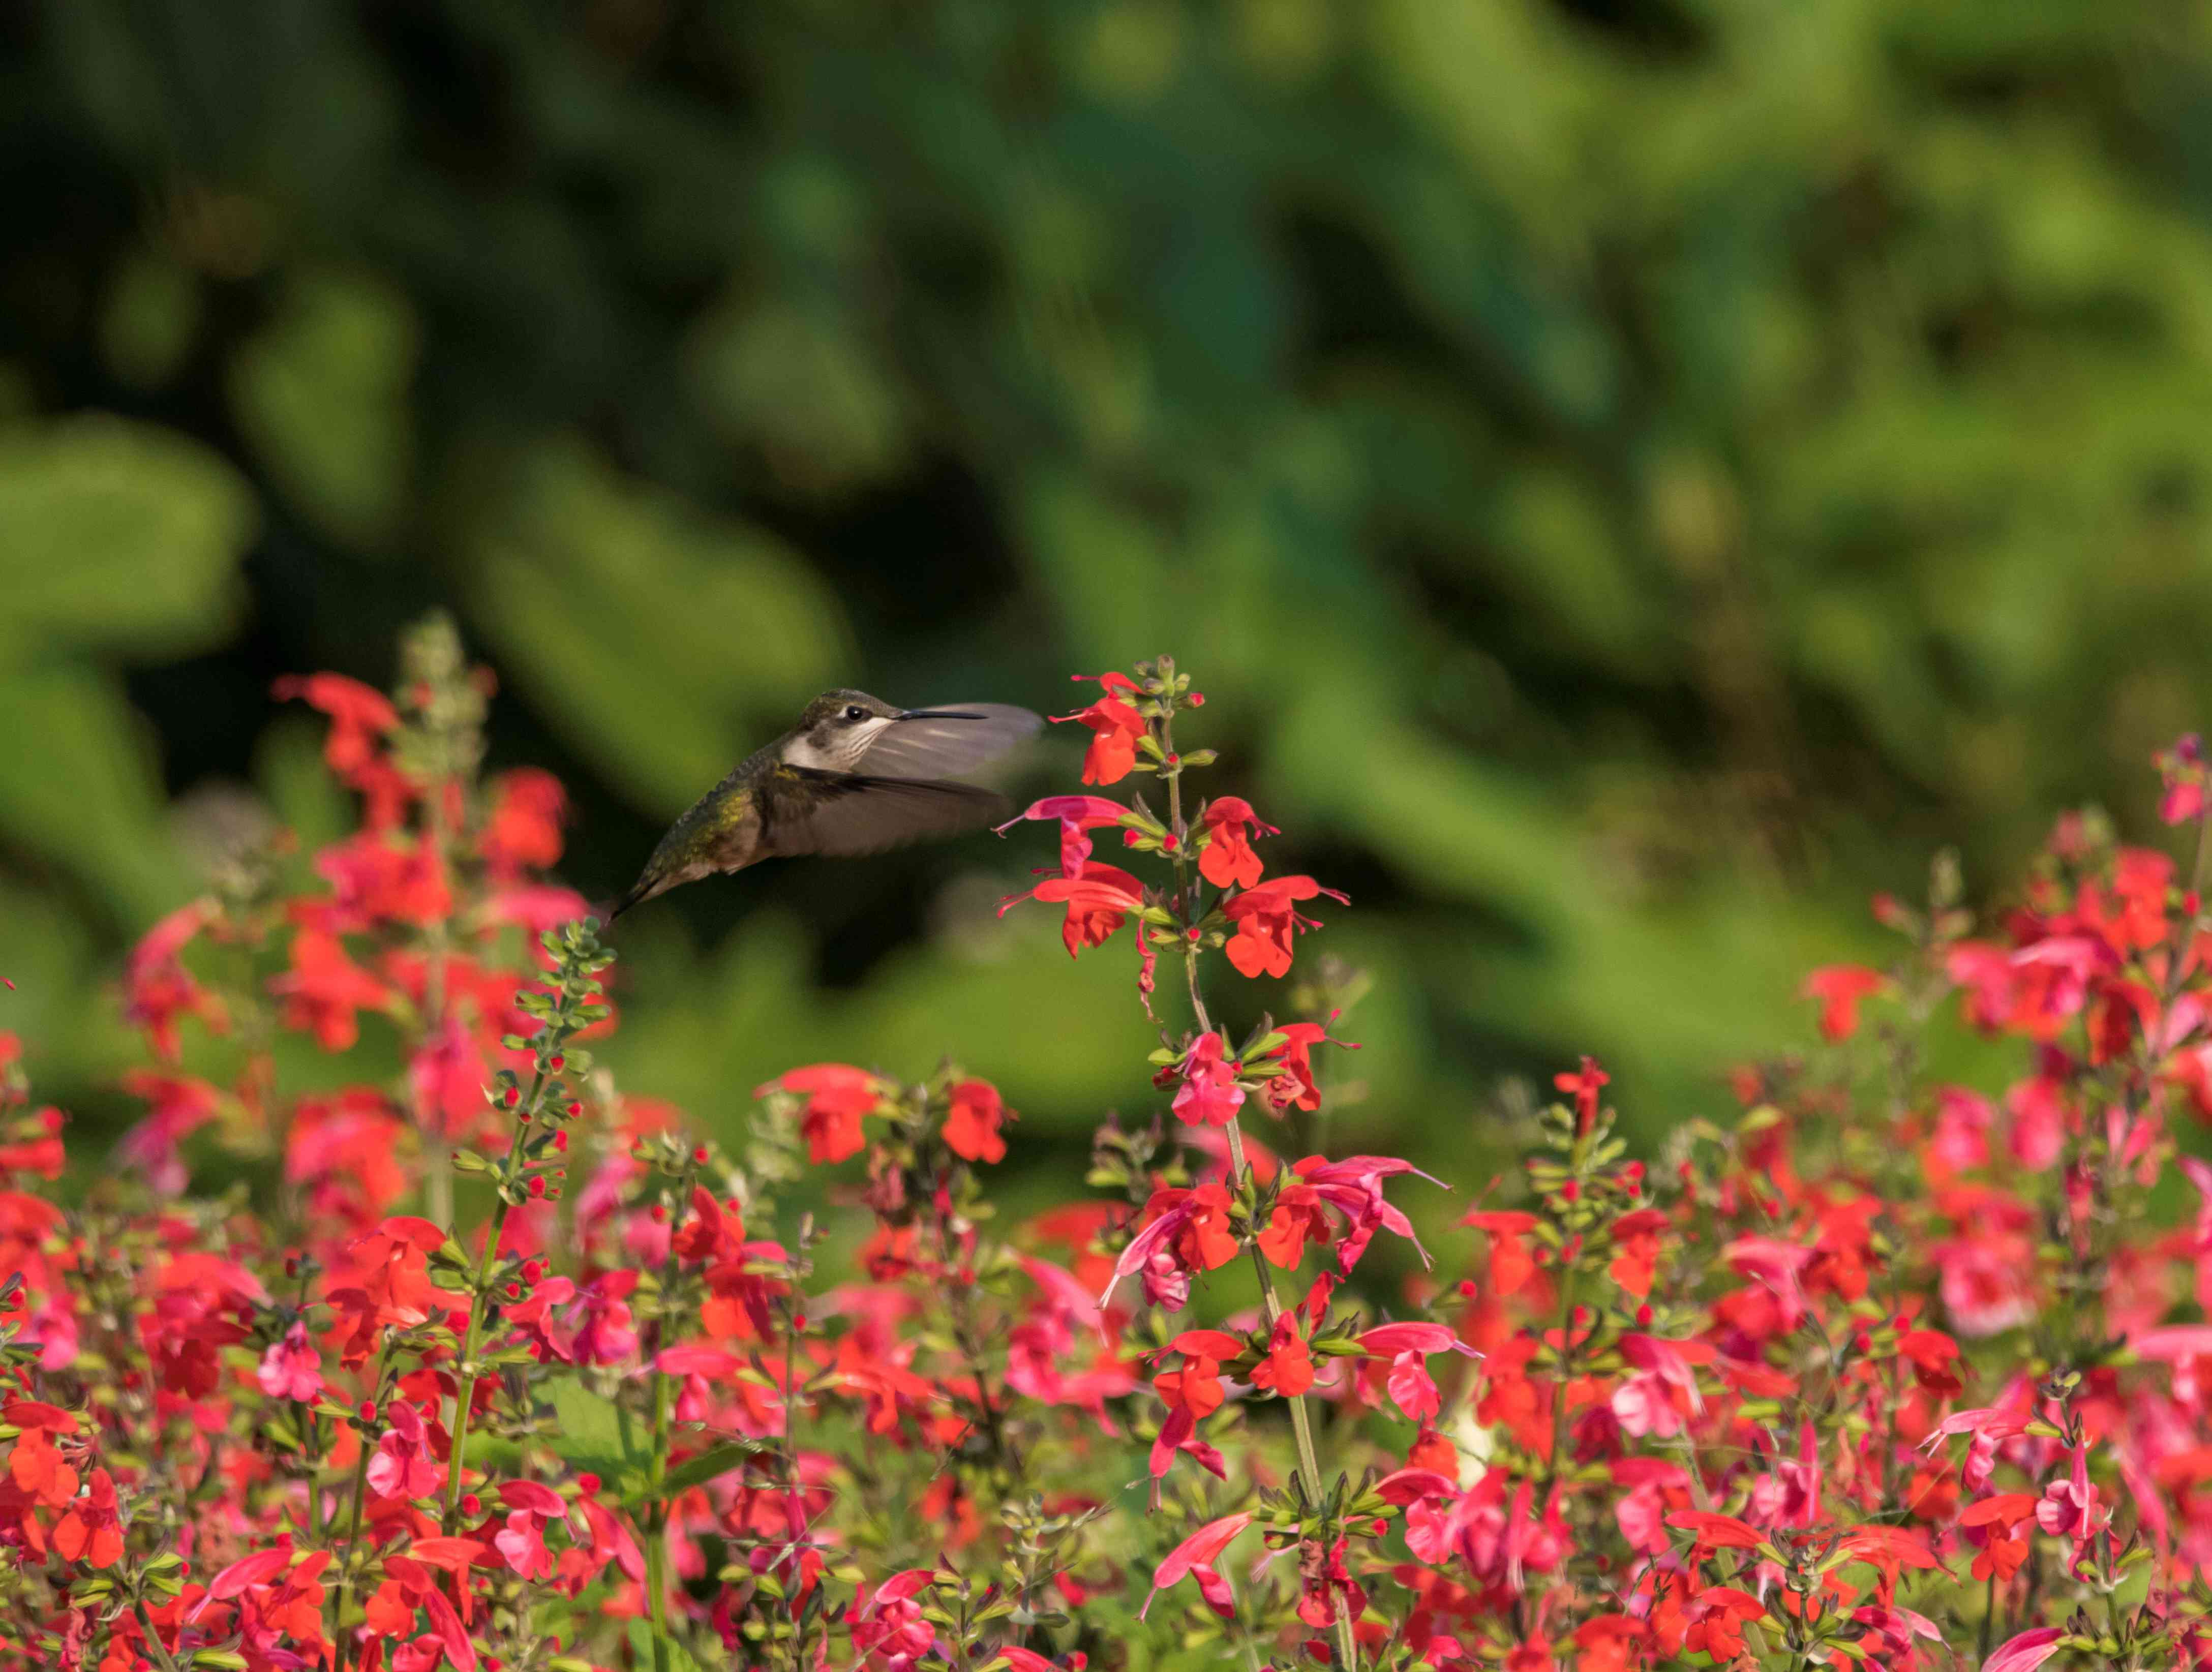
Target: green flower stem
(348, 1563)
(464, 1381)
(656, 1544)
(154, 1646)
(656, 1549)
(1347, 1645)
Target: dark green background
(1633, 476)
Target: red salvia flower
(1266, 922)
(1114, 728)
(1226, 857)
(157, 989)
(1839, 987)
(837, 1098)
(1287, 1366)
(1195, 1557)
(1208, 1094)
(325, 989)
(92, 1530)
(972, 1123)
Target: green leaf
(708, 1465)
(651, 1651)
(118, 536)
(79, 783)
(321, 393)
(618, 604)
(592, 1433)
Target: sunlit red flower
(1722, 1612)
(1114, 729)
(1511, 1264)
(382, 877)
(1195, 1557)
(1187, 1230)
(837, 1097)
(2070, 1508)
(1266, 922)
(1988, 1280)
(1295, 1086)
(2183, 777)
(2001, 1522)
(1099, 899)
(157, 989)
(972, 1123)
(359, 716)
(394, 1263)
(1585, 1083)
(291, 1368)
(1207, 1094)
(91, 1531)
(1227, 857)
(403, 1466)
(2025, 1651)
(522, 832)
(1326, 1585)
(181, 1105)
(1406, 1346)
(522, 1542)
(1839, 987)
(1660, 1396)
(1636, 1237)
(325, 988)
(1287, 1365)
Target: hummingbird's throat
(834, 748)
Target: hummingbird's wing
(968, 736)
(841, 814)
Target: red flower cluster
(1879, 1368)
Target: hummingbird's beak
(941, 713)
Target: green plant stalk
(1565, 1372)
(1347, 1645)
(656, 1549)
(347, 1567)
(432, 1121)
(154, 1644)
(465, 1379)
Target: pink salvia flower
(1195, 1557)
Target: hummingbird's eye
(856, 712)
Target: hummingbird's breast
(721, 832)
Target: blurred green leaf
(79, 785)
(116, 535)
(321, 392)
(669, 643)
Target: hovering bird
(856, 775)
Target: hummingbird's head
(836, 730)
(839, 726)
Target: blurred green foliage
(1631, 475)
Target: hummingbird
(856, 775)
